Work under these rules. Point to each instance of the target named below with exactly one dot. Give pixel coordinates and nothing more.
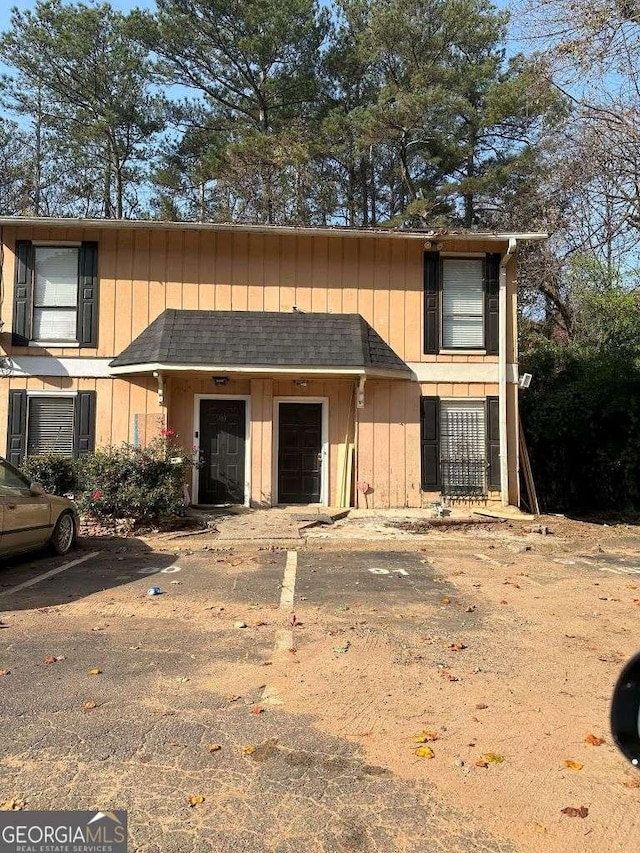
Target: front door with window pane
(55, 294)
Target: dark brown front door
(299, 453)
(222, 447)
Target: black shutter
(493, 441)
(88, 295)
(84, 425)
(491, 301)
(429, 442)
(431, 302)
(22, 293)
(17, 427)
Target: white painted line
(284, 636)
(50, 574)
(289, 581)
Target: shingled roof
(244, 339)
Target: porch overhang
(259, 343)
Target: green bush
(142, 484)
(56, 474)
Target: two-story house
(299, 365)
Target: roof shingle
(260, 339)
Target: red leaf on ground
(592, 740)
(50, 659)
(257, 710)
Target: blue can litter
(154, 590)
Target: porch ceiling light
(220, 380)
(301, 383)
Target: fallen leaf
(457, 647)
(5, 672)
(342, 649)
(95, 671)
(181, 679)
(632, 783)
(214, 747)
(443, 673)
(572, 811)
(504, 601)
(446, 601)
(89, 706)
(481, 706)
(248, 750)
(50, 659)
(481, 763)
(195, 800)
(257, 710)
(424, 752)
(294, 621)
(259, 623)
(572, 765)
(470, 609)
(12, 806)
(592, 740)
(491, 758)
(425, 736)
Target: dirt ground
(503, 644)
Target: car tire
(64, 534)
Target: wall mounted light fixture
(221, 380)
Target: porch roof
(259, 341)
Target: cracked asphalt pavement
(176, 676)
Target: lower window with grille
(460, 446)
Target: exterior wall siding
(144, 271)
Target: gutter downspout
(502, 371)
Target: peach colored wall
(144, 271)
(118, 402)
(264, 394)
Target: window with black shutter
(58, 424)
(461, 303)
(55, 294)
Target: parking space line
(50, 574)
(289, 580)
(284, 636)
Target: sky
(124, 5)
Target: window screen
(55, 293)
(462, 448)
(462, 304)
(50, 425)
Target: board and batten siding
(143, 271)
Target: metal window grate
(462, 459)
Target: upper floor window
(55, 295)
(462, 304)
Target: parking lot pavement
(113, 699)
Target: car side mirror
(625, 711)
(37, 490)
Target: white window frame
(59, 342)
(58, 394)
(473, 256)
